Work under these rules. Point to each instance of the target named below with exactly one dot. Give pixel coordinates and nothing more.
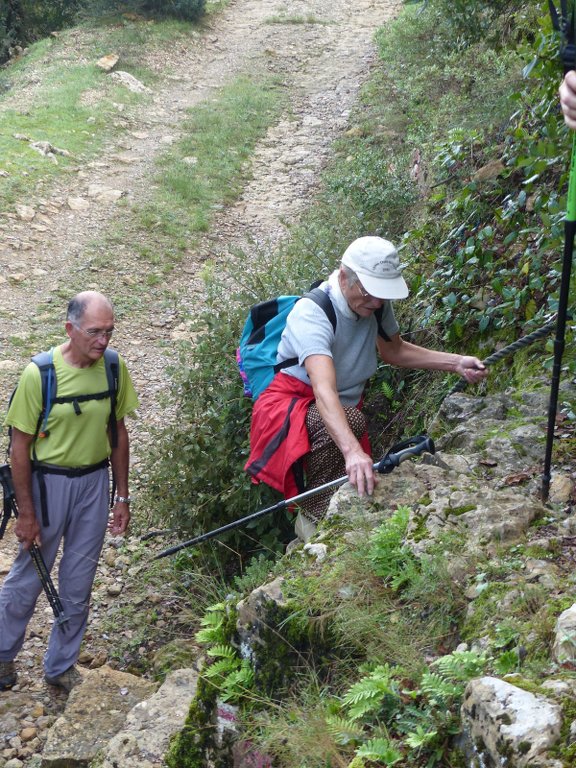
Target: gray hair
(76, 309)
(78, 305)
(351, 276)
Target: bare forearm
(120, 460)
(405, 355)
(22, 476)
(358, 463)
(335, 420)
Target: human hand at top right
(567, 93)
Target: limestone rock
(25, 212)
(96, 711)
(130, 82)
(564, 650)
(78, 203)
(506, 723)
(108, 62)
(104, 194)
(561, 488)
(149, 726)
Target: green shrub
(472, 20)
(23, 21)
(184, 10)
(187, 10)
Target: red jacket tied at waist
(278, 435)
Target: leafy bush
(388, 723)
(23, 21)
(498, 211)
(187, 10)
(184, 10)
(472, 20)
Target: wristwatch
(122, 499)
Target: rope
(511, 349)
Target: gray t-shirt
(308, 332)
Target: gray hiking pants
(78, 510)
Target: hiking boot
(67, 680)
(8, 675)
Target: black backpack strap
(381, 332)
(112, 365)
(323, 300)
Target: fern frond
(420, 738)
(212, 620)
(461, 665)
(437, 687)
(388, 551)
(342, 730)
(220, 668)
(381, 750)
(217, 607)
(387, 391)
(208, 635)
(224, 651)
(237, 683)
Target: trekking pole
(565, 25)
(405, 449)
(10, 508)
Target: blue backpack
(256, 355)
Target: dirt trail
(323, 65)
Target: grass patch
(207, 168)
(198, 175)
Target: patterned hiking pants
(325, 461)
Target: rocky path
(44, 241)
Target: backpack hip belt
(54, 469)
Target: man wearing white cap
(308, 421)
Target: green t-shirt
(73, 440)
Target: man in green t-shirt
(68, 461)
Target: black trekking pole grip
(406, 449)
(6, 481)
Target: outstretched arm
(406, 355)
